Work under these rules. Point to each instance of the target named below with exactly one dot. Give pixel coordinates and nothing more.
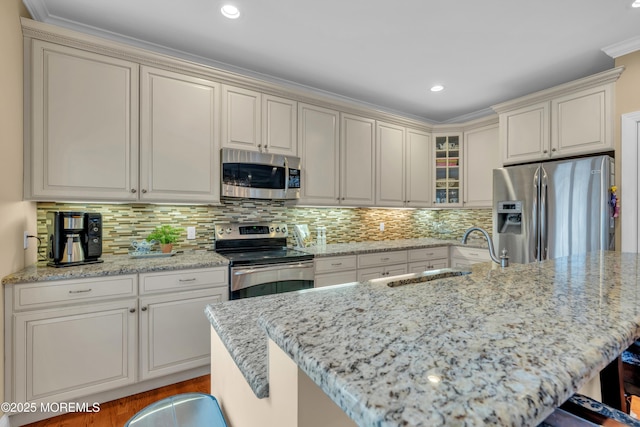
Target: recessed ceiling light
(437, 88)
(635, 3)
(230, 11)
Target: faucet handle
(504, 258)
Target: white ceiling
(381, 52)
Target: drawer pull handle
(193, 279)
(473, 254)
(336, 264)
(81, 291)
(429, 253)
(385, 259)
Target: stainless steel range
(260, 262)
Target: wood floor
(117, 412)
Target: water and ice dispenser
(510, 217)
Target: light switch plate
(191, 233)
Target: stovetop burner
(256, 243)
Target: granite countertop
(117, 264)
(502, 346)
(335, 249)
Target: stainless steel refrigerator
(553, 209)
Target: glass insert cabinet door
(447, 169)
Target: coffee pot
(74, 238)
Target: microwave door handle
(286, 175)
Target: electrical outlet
(382, 226)
(26, 240)
(191, 233)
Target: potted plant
(166, 236)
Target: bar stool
(182, 410)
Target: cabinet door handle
(83, 291)
(553, 149)
(259, 145)
(193, 279)
(143, 309)
(133, 190)
(144, 191)
(545, 151)
(132, 310)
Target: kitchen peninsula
(497, 346)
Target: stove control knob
(229, 230)
(284, 229)
(277, 229)
(271, 229)
(220, 231)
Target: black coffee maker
(74, 238)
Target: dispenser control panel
(509, 216)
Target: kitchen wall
(124, 223)
(15, 215)
(627, 101)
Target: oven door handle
(274, 267)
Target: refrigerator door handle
(544, 223)
(534, 214)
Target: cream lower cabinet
(335, 270)
(179, 138)
(381, 264)
(173, 329)
(68, 339)
(81, 139)
(465, 257)
(426, 259)
(72, 338)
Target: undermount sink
(427, 276)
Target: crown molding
(622, 48)
(605, 77)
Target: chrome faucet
(504, 258)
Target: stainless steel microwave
(253, 175)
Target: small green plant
(165, 234)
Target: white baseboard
(4, 421)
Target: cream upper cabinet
(447, 168)
(179, 131)
(255, 121)
(582, 122)
(319, 150)
(418, 185)
(403, 173)
(81, 141)
(571, 119)
(390, 165)
(357, 160)
(482, 155)
(279, 125)
(525, 134)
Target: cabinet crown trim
(605, 77)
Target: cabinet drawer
(335, 278)
(428, 253)
(381, 272)
(43, 294)
(335, 263)
(382, 258)
(471, 254)
(183, 279)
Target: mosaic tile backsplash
(123, 223)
